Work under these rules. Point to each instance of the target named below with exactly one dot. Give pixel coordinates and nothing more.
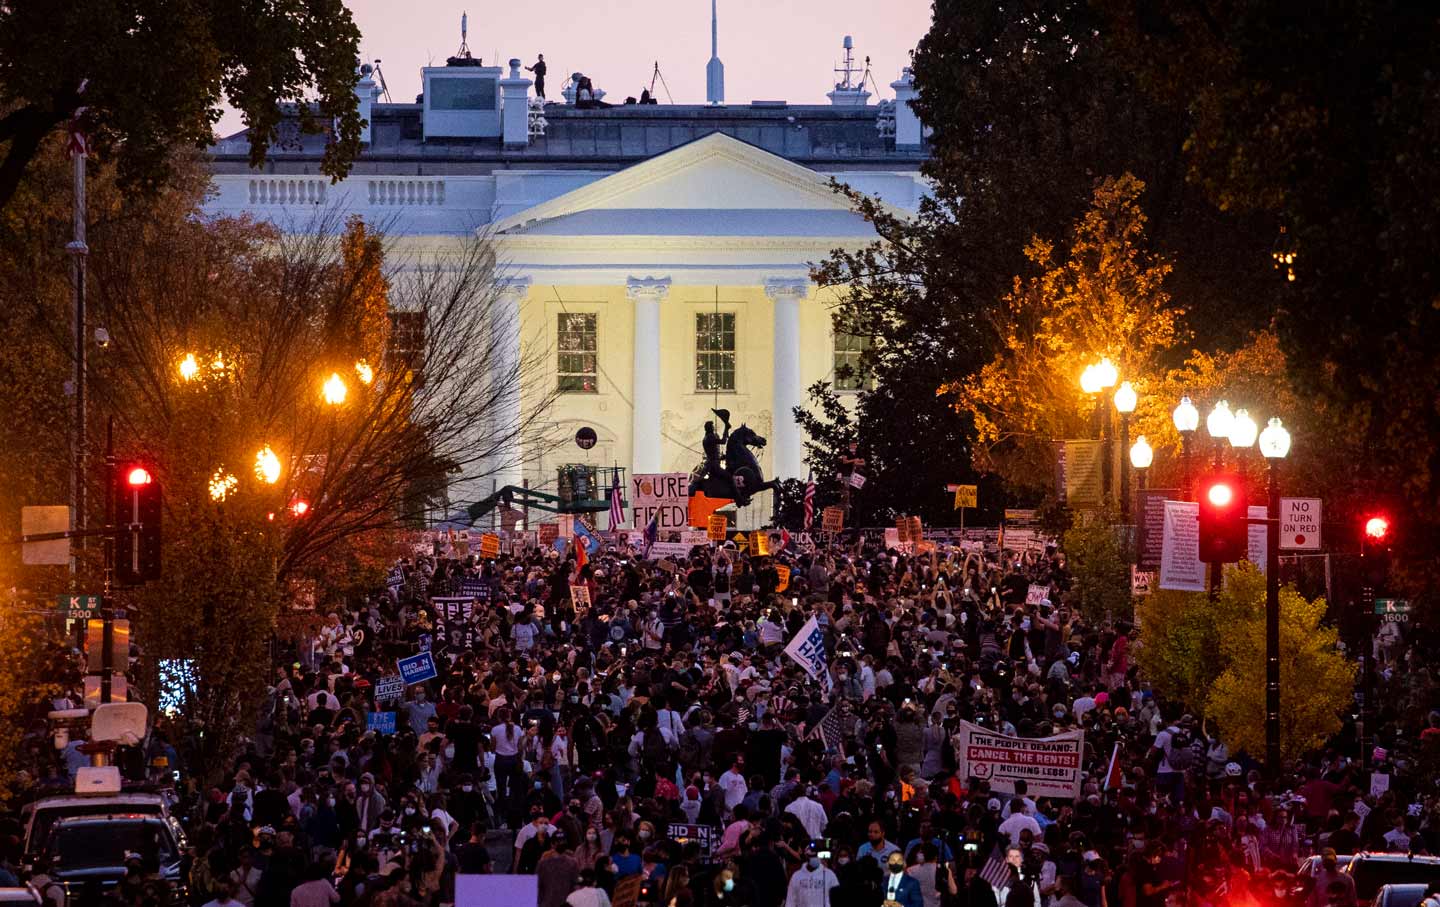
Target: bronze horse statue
(741, 478)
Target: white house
(658, 255)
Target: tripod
(656, 75)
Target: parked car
(1406, 895)
(90, 851)
(1305, 875)
(42, 814)
(1372, 871)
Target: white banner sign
(1257, 541)
(662, 494)
(808, 650)
(1299, 524)
(671, 550)
(1180, 566)
(1049, 766)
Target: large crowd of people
(648, 738)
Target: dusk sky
(772, 49)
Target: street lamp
(1186, 418)
(334, 389)
(1274, 445)
(1106, 373)
(1218, 424)
(364, 372)
(267, 466)
(1090, 380)
(1125, 400)
(1141, 455)
(1243, 430)
(189, 368)
(221, 484)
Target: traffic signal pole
(107, 605)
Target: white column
(788, 451)
(506, 461)
(646, 293)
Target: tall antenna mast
(464, 50)
(714, 70)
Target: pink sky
(772, 49)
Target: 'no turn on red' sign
(1300, 524)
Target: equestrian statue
(735, 474)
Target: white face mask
(467, 788)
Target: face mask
(330, 801)
(360, 841)
(467, 788)
(409, 810)
(592, 837)
(539, 785)
(365, 788)
(644, 834)
(729, 884)
(897, 868)
(813, 862)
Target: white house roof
(715, 185)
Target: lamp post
(1125, 400)
(1186, 418)
(1274, 445)
(1105, 375)
(1141, 455)
(1218, 425)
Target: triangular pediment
(712, 174)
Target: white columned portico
(506, 459)
(786, 293)
(646, 294)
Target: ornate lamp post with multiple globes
(1274, 446)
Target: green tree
(1316, 680)
(1100, 567)
(144, 77)
(1340, 161)
(1210, 656)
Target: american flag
(995, 871)
(809, 502)
(652, 532)
(830, 731)
(617, 505)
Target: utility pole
(78, 251)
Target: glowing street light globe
(1220, 420)
(1186, 417)
(1126, 398)
(221, 484)
(364, 372)
(1090, 380)
(189, 368)
(1243, 430)
(1107, 373)
(1141, 453)
(267, 466)
(334, 389)
(1275, 440)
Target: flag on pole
(1113, 775)
(652, 532)
(809, 501)
(830, 731)
(585, 537)
(808, 650)
(617, 508)
(77, 143)
(995, 872)
(784, 539)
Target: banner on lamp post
(1180, 566)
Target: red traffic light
(139, 475)
(1220, 494)
(1377, 528)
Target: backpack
(1181, 754)
(655, 750)
(689, 749)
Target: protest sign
(784, 573)
(760, 543)
(418, 668)
(390, 688)
(489, 546)
(1141, 582)
(1257, 543)
(832, 519)
(917, 531)
(549, 532)
(1079, 466)
(380, 722)
(580, 595)
(1037, 594)
(1050, 766)
(892, 538)
(707, 836)
(661, 496)
(856, 481)
(902, 529)
(808, 650)
(675, 550)
(1180, 566)
(715, 530)
(1150, 525)
(966, 496)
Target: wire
(613, 384)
